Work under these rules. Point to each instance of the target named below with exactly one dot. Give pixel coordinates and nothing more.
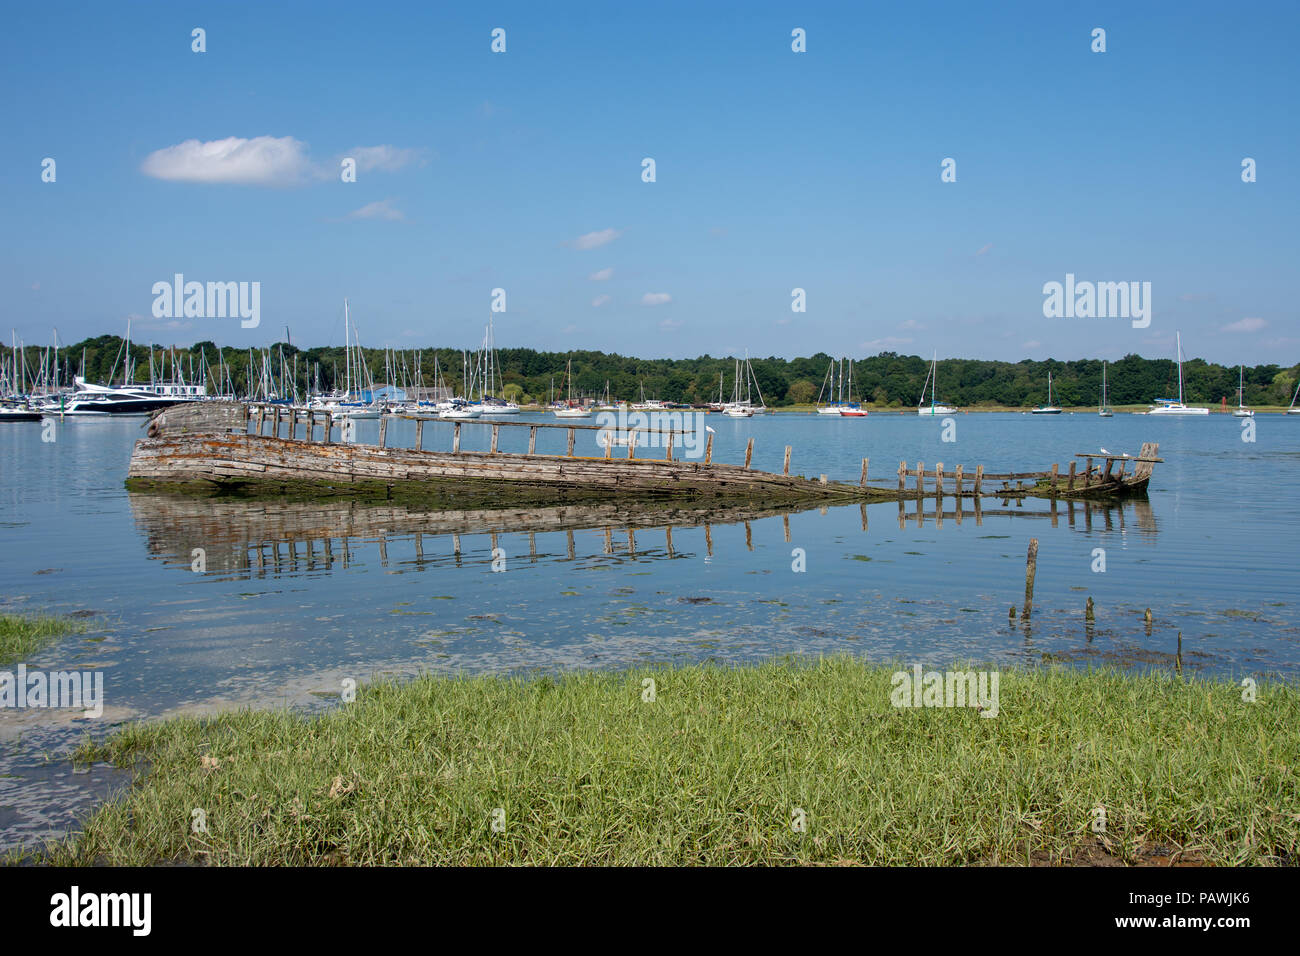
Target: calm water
(298, 597)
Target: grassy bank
(713, 771)
(22, 635)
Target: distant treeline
(887, 379)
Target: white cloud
(569, 329)
(261, 161)
(1031, 344)
(984, 249)
(265, 161)
(886, 343)
(385, 159)
(669, 324)
(600, 300)
(601, 275)
(382, 209)
(594, 240)
(656, 298)
(1245, 325)
(911, 324)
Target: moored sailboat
(1103, 406)
(1049, 408)
(1167, 406)
(934, 408)
(1241, 411)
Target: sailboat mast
(1180, 368)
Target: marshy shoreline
(786, 762)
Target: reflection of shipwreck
(238, 534)
(260, 536)
(208, 447)
(1088, 514)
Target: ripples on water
(298, 596)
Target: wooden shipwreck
(274, 450)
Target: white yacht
(934, 408)
(744, 407)
(1167, 406)
(571, 409)
(96, 401)
(1049, 408)
(1241, 411)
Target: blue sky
(775, 170)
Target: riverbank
(706, 765)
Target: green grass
(713, 771)
(22, 635)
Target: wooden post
(1031, 567)
(862, 482)
(668, 453)
(920, 478)
(938, 484)
(293, 422)
(979, 481)
(785, 524)
(708, 450)
(383, 430)
(958, 482)
(902, 476)
(328, 430)
(1087, 472)
(261, 418)
(455, 438)
(1055, 472)
(1088, 612)
(419, 434)
(1069, 481)
(496, 431)
(749, 453)
(532, 440)
(785, 469)
(248, 417)
(631, 444)
(572, 435)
